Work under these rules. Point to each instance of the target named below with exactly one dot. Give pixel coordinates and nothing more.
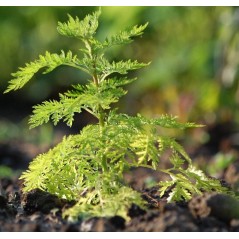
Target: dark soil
(38, 211)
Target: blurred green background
(194, 71)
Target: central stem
(101, 113)
(101, 122)
(100, 109)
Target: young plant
(88, 167)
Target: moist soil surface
(39, 211)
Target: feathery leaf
(48, 61)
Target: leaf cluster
(88, 167)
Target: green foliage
(186, 183)
(88, 167)
(84, 29)
(49, 61)
(106, 203)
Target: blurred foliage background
(194, 71)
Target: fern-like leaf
(106, 68)
(145, 148)
(124, 37)
(44, 112)
(179, 193)
(48, 61)
(164, 186)
(104, 203)
(168, 121)
(74, 101)
(176, 160)
(189, 182)
(203, 182)
(83, 29)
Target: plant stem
(101, 123)
(100, 109)
(101, 113)
(104, 164)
